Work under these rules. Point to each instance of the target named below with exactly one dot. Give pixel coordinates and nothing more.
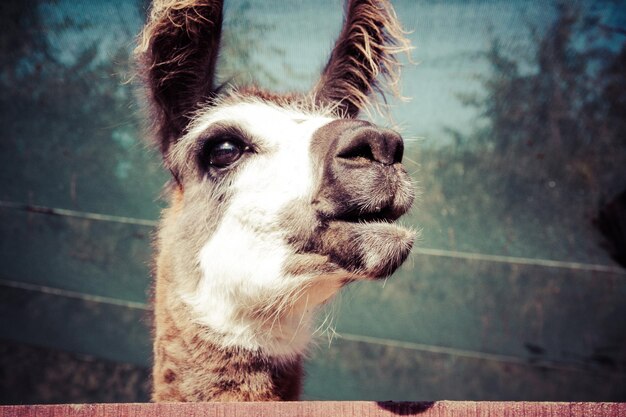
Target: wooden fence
(324, 409)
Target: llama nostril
(372, 145)
(360, 150)
(399, 153)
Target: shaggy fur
(188, 366)
(178, 52)
(248, 250)
(364, 53)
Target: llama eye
(224, 153)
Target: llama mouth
(370, 247)
(378, 215)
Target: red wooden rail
(323, 409)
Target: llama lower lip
(371, 250)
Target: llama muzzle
(364, 190)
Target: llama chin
(278, 202)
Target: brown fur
(178, 53)
(188, 366)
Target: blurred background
(516, 133)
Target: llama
(277, 201)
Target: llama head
(280, 200)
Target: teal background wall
(516, 133)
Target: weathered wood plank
(323, 409)
(351, 370)
(115, 332)
(345, 371)
(92, 257)
(35, 375)
(534, 313)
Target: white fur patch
(242, 263)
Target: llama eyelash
(279, 201)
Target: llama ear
(178, 52)
(366, 49)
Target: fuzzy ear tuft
(364, 53)
(177, 51)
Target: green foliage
(551, 150)
(559, 119)
(72, 119)
(72, 131)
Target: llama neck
(196, 359)
(189, 367)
